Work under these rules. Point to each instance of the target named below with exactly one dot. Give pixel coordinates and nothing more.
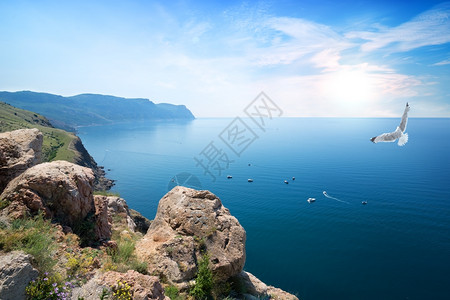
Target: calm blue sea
(395, 247)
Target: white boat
(311, 200)
(229, 176)
(364, 202)
(287, 182)
(293, 178)
(250, 180)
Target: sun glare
(350, 89)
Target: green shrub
(124, 251)
(105, 294)
(139, 266)
(4, 203)
(204, 281)
(172, 292)
(48, 288)
(78, 264)
(85, 229)
(34, 236)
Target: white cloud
(442, 63)
(295, 38)
(429, 28)
(217, 65)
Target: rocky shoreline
(83, 158)
(102, 247)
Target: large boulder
(62, 190)
(19, 150)
(188, 223)
(16, 272)
(143, 287)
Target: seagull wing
(387, 137)
(402, 125)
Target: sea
(396, 246)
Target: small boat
(364, 202)
(250, 180)
(287, 182)
(229, 176)
(293, 178)
(311, 200)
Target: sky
(312, 58)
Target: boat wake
(328, 196)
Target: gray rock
(16, 272)
(187, 223)
(62, 190)
(119, 207)
(91, 290)
(19, 150)
(143, 287)
(256, 288)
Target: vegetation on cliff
(58, 144)
(56, 141)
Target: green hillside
(57, 143)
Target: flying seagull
(399, 133)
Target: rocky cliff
(96, 245)
(189, 222)
(19, 150)
(83, 158)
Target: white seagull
(399, 133)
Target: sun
(350, 89)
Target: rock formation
(189, 222)
(62, 190)
(16, 272)
(143, 287)
(256, 287)
(142, 223)
(103, 218)
(83, 158)
(119, 207)
(19, 150)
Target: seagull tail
(403, 139)
(373, 139)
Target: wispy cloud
(429, 28)
(215, 63)
(442, 63)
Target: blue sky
(313, 58)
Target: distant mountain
(93, 109)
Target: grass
(35, 236)
(123, 257)
(173, 293)
(3, 203)
(56, 141)
(107, 193)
